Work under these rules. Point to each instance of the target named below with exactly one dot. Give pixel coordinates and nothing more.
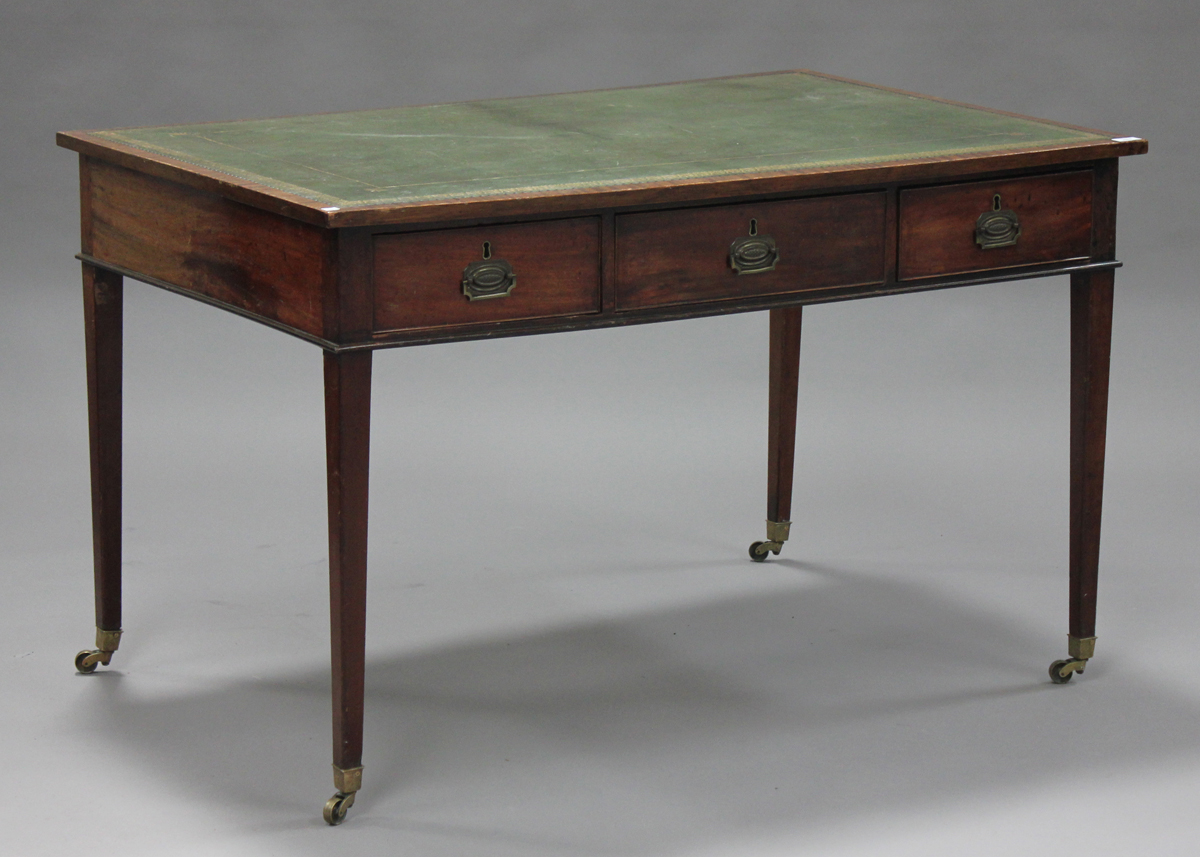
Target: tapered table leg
(781, 429)
(1091, 339)
(102, 311)
(347, 448)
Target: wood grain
(347, 455)
(682, 256)
(262, 263)
(350, 294)
(102, 314)
(1104, 211)
(937, 224)
(1091, 341)
(781, 410)
(419, 275)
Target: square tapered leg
(102, 313)
(781, 429)
(1091, 342)
(347, 446)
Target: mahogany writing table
(384, 228)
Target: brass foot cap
(347, 779)
(778, 531)
(1081, 647)
(108, 641)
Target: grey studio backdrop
(568, 650)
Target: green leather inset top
(791, 121)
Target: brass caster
(1061, 671)
(759, 550)
(87, 660)
(336, 806)
(777, 534)
(106, 643)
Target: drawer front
(685, 256)
(419, 276)
(1051, 221)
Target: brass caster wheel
(759, 550)
(336, 806)
(1061, 671)
(86, 661)
(106, 643)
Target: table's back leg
(102, 311)
(347, 447)
(781, 429)
(1091, 339)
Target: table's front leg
(347, 448)
(1091, 339)
(781, 428)
(102, 311)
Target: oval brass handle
(753, 254)
(488, 278)
(997, 228)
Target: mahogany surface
(1055, 215)
(418, 275)
(102, 316)
(675, 257)
(348, 446)
(263, 263)
(353, 231)
(784, 368)
(1091, 341)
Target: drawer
(938, 225)
(684, 256)
(421, 278)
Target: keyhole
(996, 202)
(487, 247)
(754, 226)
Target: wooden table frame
(233, 244)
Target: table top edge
(308, 206)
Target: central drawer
(692, 255)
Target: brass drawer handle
(997, 228)
(488, 278)
(753, 253)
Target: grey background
(568, 651)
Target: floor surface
(569, 651)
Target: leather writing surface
(785, 122)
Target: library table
(406, 226)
